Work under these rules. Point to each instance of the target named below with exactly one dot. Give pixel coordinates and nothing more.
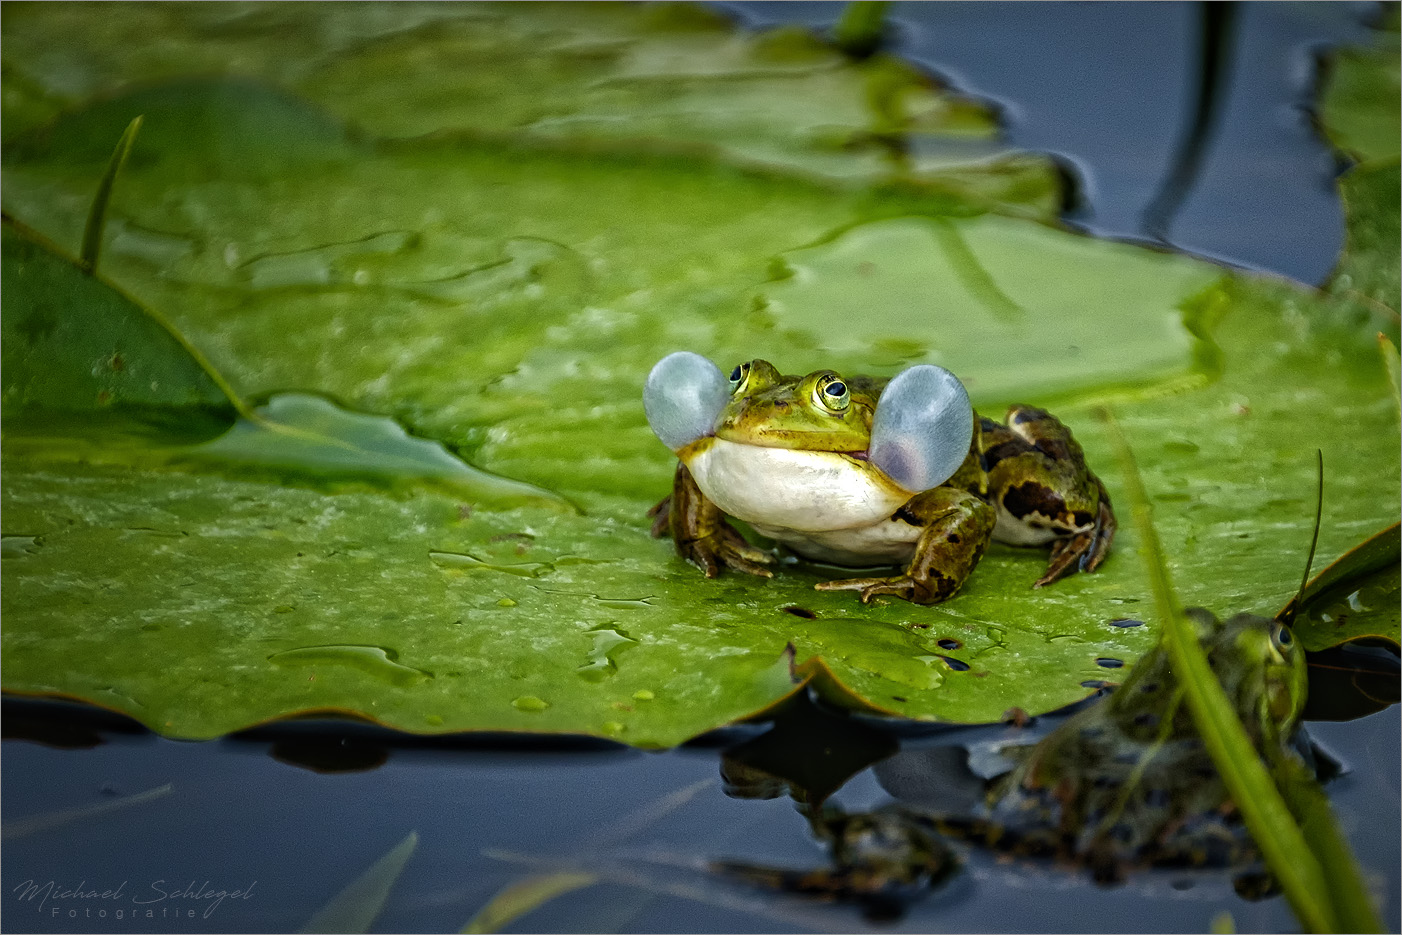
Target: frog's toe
(1104, 532)
(931, 591)
(1084, 551)
(751, 562)
(1066, 556)
(726, 548)
(702, 554)
(869, 587)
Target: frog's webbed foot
(725, 548)
(956, 528)
(701, 534)
(1084, 551)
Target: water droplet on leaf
(377, 661)
(608, 643)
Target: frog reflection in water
(1124, 784)
(862, 471)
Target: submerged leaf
(34, 824)
(1359, 113)
(524, 896)
(1359, 101)
(355, 908)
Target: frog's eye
(922, 428)
(832, 394)
(739, 379)
(1282, 637)
(683, 397)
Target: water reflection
(1123, 784)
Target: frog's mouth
(817, 442)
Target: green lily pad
(1354, 598)
(967, 294)
(627, 78)
(1359, 101)
(1369, 265)
(1359, 113)
(504, 292)
(77, 349)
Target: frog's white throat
(809, 491)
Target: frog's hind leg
(1045, 493)
(956, 526)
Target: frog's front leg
(701, 534)
(955, 528)
(1045, 493)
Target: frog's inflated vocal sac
(865, 471)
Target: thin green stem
(97, 214)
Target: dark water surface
(1109, 88)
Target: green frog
(1124, 784)
(863, 471)
(1127, 782)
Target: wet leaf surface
(1359, 99)
(500, 286)
(75, 346)
(1354, 598)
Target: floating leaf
(673, 78)
(1354, 598)
(75, 348)
(1359, 112)
(505, 291)
(965, 294)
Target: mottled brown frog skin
(805, 481)
(1128, 783)
(1125, 784)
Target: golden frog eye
(739, 378)
(832, 394)
(1282, 638)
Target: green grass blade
(1353, 906)
(1393, 365)
(522, 897)
(50, 820)
(1250, 784)
(97, 214)
(355, 908)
